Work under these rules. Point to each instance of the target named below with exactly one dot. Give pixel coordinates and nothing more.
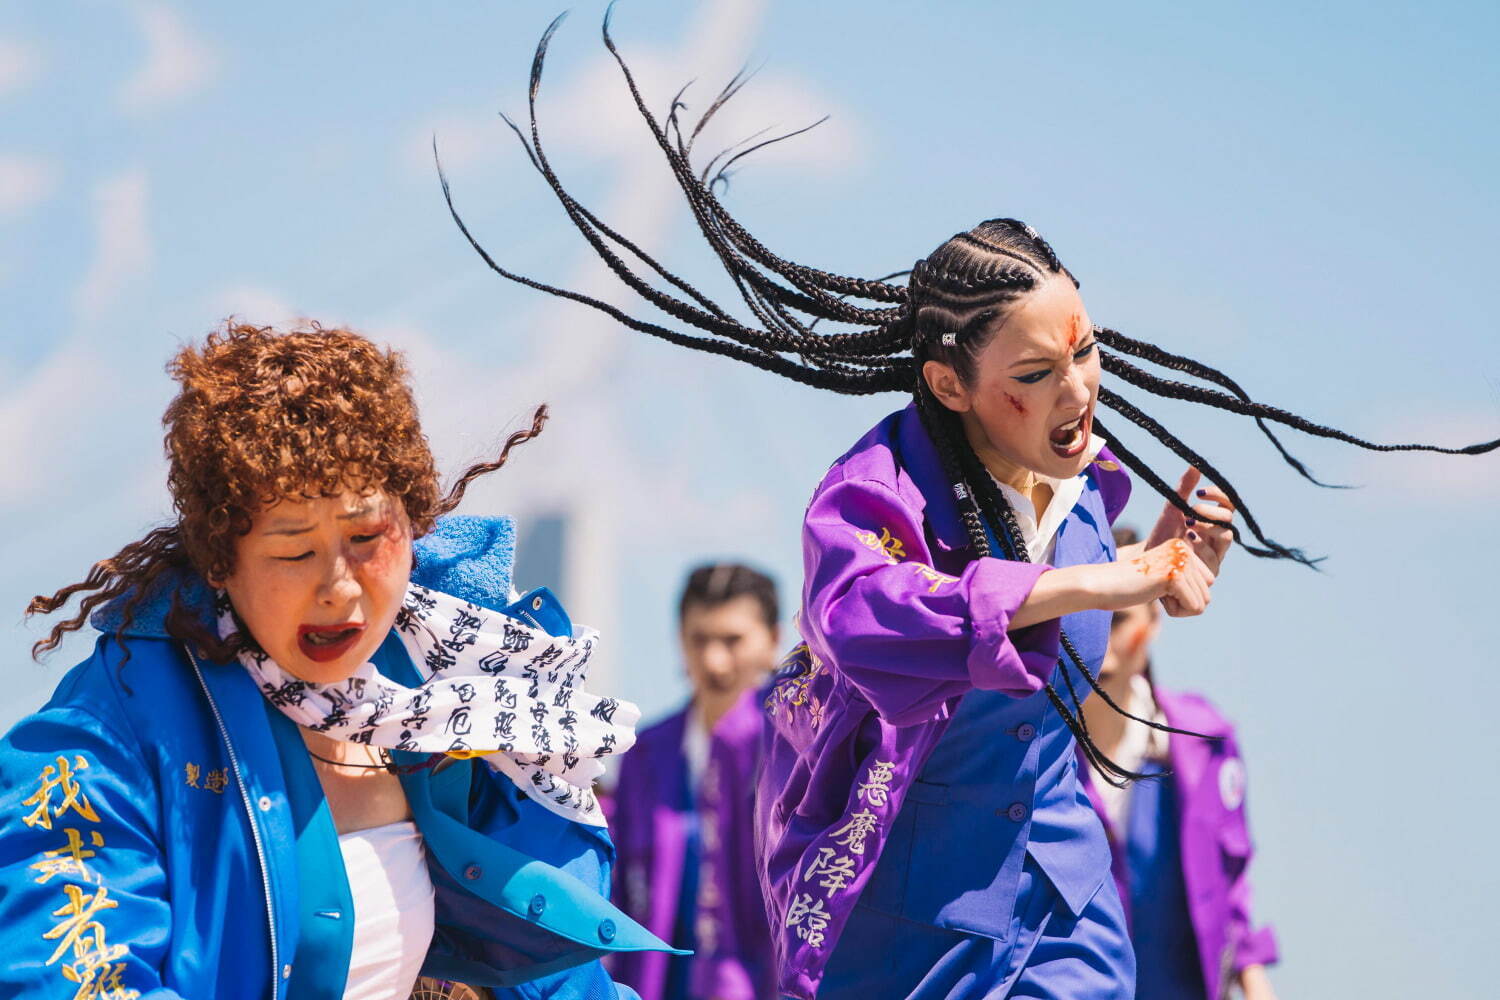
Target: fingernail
(1203, 493)
(1193, 535)
(1192, 521)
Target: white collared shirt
(1138, 744)
(695, 746)
(1041, 539)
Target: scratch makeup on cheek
(1016, 404)
(1138, 636)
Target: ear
(947, 386)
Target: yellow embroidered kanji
(52, 779)
(885, 543)
(932, 576)
(78, 929)
(68, 860)
(192, 772)
(217, 780)
(99, 980)
(876, 788)
(853, 833)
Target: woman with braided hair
(922, 831)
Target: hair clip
(961, 491)
(950, 340)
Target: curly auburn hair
(262, 416)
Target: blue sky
(1302, 196)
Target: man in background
(684, 804)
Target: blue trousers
(1049, 954)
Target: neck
(1012, 474)
(713, 706)
(1106, 726)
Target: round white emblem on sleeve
(1232, 783)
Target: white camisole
(393, 910)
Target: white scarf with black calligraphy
(494, 686)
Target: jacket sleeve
(906, 636)
(583, 852)
(82, 889)
(1254, 946)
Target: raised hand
(1208, 532)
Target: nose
(716, 659)
(1076, 391)
(339, 586)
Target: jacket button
(1016, 812)
(286, 971)
(1026, 732)
(607, 931)
(536, 604)
(265, 807)
(473, 872)
(537, 905)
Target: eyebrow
(292, 528)
(1087, 340)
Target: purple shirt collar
(919, 457)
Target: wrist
(1056, 593)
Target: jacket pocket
(965, 860)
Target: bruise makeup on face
(1016, 404)
(392, 540)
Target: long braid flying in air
(945, 311)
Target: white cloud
(19, 66)
(591, 112)
(25, 181)
(43, 415)
(123, 243)
(178, 62)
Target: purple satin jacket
(1209, 776)
(650, 826)
(899, 622)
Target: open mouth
(1068, 440)
(322, 643)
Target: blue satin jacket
(161, 835)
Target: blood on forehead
(1075, 330)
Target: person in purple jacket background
(1181, 844)
(921, 831)
(682, 808)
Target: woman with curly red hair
(264, 780)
